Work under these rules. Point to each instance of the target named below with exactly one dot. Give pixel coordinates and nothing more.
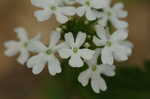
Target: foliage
(129, 83)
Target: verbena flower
(53, 7)
(115, 45)
(89, 7)
(75, 51)
(94, 73)
(46, 55)
(114, 15)
(23, 46)
(94, 17)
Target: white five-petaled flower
(74, 51)
(53, 7)
(114, 15)
(94, 73)
(23, 46)
(46, 55)
(115, 46)
(89, 7)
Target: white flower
(89, 7)
(115, 45)
(113, 15)
(94, 73)
(53, 7)
(23, 46)
(46, 55)
(74, 50)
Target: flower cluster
(91, 34)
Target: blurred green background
(18, 82)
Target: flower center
(75, 50)
(94, 68)
(109, 13)
(87, 3)
(49, 52)
(108, 43)
(53, 8)
(25, 45)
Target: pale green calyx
(87, 3)
(49, 52)
(108, 43)
(94, 68)
(53, 8)
(75, 50)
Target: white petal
(41, 3)
(37, 63)
(127, 44)
(81, 37)
(76, 61)
(108, 70)
(22, 34)
(12, 48)
(61, 18)
(103, 18)
(80, 11)
(118, 8)
(69, 39)
(100, 31)
(86, 54)
(54, 66)
(98, 83)
(36, 46)
(60, 46)
(119, 35)
(35, 60)
(38, 68)
(69, 11)
(24, 55)
(84, 77)
(98, 4)
(121, 52)
(11, 52)
(10, 44)
(98, 42)
(107, 57)
(90, 14)
(119, 24)
(65, 53)
(122, 24)
(54, 38)
(94, 59)
(122, 14)
(42, 15)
